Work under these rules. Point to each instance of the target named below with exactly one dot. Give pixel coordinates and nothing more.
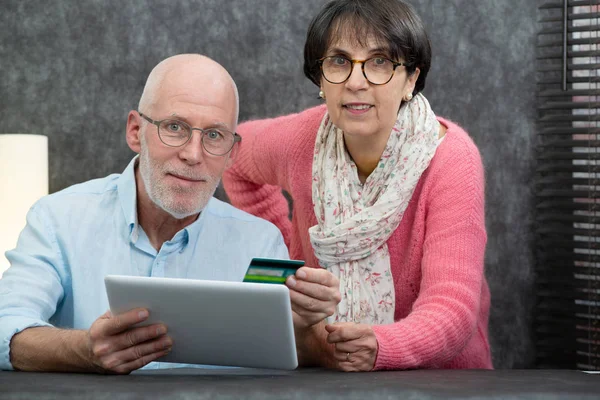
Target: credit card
(271, 270)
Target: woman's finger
(306, 305)
(345, 331)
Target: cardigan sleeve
(445, 314)
(265, 163)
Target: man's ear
(232, 155)
(133, 131)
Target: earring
(322, 95)
(408, 97)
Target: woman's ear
(133, 131)
(321, 93)
(412, 81)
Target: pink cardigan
(436, 253)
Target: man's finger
(140, 362)
(129, 338)
(106, 315)
(122, 322)
(140, 351)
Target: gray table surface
(304, 384)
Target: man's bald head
(187, 90)
(192, 73)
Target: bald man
(157, 218)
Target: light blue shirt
(75, 237)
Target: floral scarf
(354, 221)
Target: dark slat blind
(567, 187)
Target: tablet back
(213, 322)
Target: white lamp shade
(23, 180)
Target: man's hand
(355, 345)
(314, 293)
(115, 347)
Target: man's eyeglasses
(376, 70)
(175, 133)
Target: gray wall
(73, 69)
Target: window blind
(567, 186)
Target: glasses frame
(362, 67)
(236, 137)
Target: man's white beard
(159, 193)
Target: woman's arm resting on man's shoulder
(267, 160)
(254, 182)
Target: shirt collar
(193, 229)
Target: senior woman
(388, 200)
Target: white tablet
(214, 322)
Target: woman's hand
(314, 293)
(355, 346)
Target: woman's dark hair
(393, 23)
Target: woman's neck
(365, 153)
